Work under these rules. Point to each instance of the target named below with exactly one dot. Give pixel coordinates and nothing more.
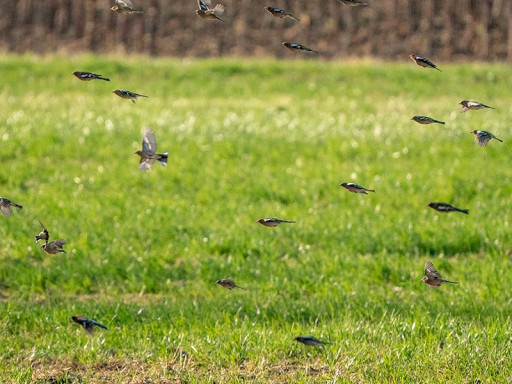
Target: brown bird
(422, 62)
(54, 247)
(483, 137)
(88, 76)
(298, 48)
(43, 235)
(444, 207)
(272, 222)
(124, 6)
(228, 284)
(433, 278)
(148, 154)
(5, 206)
(206, 12)
(88, 324)
(472, 105)
(356, 188)
(128, 95)
(277, 12)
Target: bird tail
(438, 69)
(21, 207)
(466, 211)
(291, 17)
(99, 324)
(450, 282)
(286, 221)
(498, 139)
(162, 158)
(103, 78)
(440, 122)
(371, 190)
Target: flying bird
(88, 76)
(124, 6)
(228, 284)
(43, 235)
(422, 62)
(356, 188)
(433, 278)
(208, 13)
(148, 154)
(426, 120)
(5, 206)
(280, 13)
(298, 48)
(473, 105)
(88, 324)
(311, 341)
(124, 94)
(353, 3)
(444, 207)
(272, 222)
(54, 247)
(483, 137)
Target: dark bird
(88, 76)
(443, 207)
(54, 247)
(228, 284)
(422, 62)
(43, 235)
(209, 13)
(473, 105)
(272, 222)
(88, 324)
(124, 94)
(5, 206)
(483, 137)
(124, 6)
(433, 278)
(353, 3)
(311, 341)
(148, 154)
(280, 13)
(426, 120)
(298, 47)
(356, 188)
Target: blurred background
(458, 30)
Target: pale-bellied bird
(277, 12)
(206, 12)
(444, 207)
(272, 222)
(88, 76)
(124, 6)
(483, 137)
(148, 154)
(228, 284)
(472, 105)
(423, 62)
(356, 188)
(129, 95)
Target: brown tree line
(439, 29)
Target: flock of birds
(148, 155)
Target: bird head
(343, 184)
(115, 8)
(463, 102)
(424, 279)
(474, 132)
(138, 153)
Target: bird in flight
(43, 235)
(5, 206)
(311, 341)
(444, 207)
(472, 105)
(88, 76)
(433, 278)
(88, 324)
(353, 3)
(277, 12)
(206, 12)
(54, 247)
(148, 154)
(356, 188)
(124, 6)
(124, 94)
(423, 62)
(228, 284)
(298, 48)
(272, 222)
(483, 137)
(426, 120)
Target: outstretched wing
(149, 142)
(204, 4)
(431, 271)
(124, 3)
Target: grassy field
(246, 140)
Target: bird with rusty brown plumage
(228, 284)
(433, 278)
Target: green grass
(249, 139)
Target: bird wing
(124, 3)
(149, 142)
(59, 243)
(204, 4)
(5, 210)
(218, 10)
(145, 164)
(431, 271)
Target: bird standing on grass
(444, 207)
(298, 48)
(205, 12)
(43, 235)
(473, 105)
(124, 94)
(356, 188)
(280, 13)
(426, 120)
(88, 324)
(433, 278)
(228, 284)
(148, 154)
(273, 222)
(483, 137)
(54, 247)
(311, 341)
(5, 206)
(422, 62)
(124, 6)
(88, 76)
